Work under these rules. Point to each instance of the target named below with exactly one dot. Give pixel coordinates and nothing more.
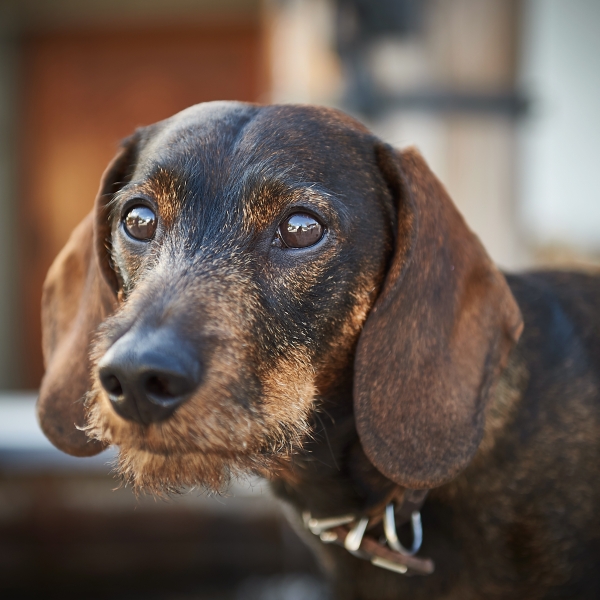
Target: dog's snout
(147, 375)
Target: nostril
(159, 386)
(111, 384)
(119, 393)
(167, 389)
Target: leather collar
(355, 533)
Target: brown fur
(375, 359)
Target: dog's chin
(158, 461)
(166, 473)
(172, 472)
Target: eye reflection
(140, 223)
(300, 230)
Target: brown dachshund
(274, 290)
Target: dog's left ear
(80, 291)
(436, 340)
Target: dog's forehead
(200, 129)
(233, 135)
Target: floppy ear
(79, 293)
(436, 339)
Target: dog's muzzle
(148, 373)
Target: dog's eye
(300, 231)
(140, 223)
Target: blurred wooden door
(82, 93)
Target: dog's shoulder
(561, 311)
(558, 363)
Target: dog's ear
(436, 339)
(79, 293)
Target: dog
(274, 290)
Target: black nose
(148, 374)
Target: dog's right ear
(436, 340)
(80, 291)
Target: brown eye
(300, 231)
(140, 223)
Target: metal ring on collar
(389, 527)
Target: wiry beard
(161, 465)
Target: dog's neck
(345, 500)
(331, 475)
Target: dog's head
(243, 261)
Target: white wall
(559, 185)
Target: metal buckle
(382, 563)
(355, 536)
(318, 526)
(389, 527)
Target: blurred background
(501, 97)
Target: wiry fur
(374, 361)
